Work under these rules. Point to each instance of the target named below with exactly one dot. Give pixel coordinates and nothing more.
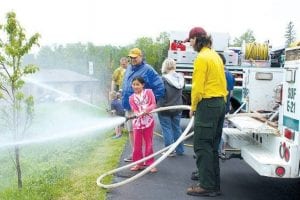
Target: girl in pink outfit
(142, 102)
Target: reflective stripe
(291, 123)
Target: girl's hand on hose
(140, 114)
(192, 113)
(143, 113)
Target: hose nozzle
(130, 117)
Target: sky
(121, 22)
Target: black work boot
(195, 176)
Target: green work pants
(209, 118)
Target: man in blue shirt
(139, 67)
(230, 86)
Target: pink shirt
(144, 102)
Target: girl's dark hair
(139, 79)
(202, 41)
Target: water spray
(60, 92)
(169, 149)
(79, 131)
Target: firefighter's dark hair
(223, 58)
(202, 41)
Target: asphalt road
(238, 181)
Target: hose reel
(256, 51)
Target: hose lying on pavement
(169, 149)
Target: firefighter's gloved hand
(192, 113)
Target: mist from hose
(88, 128)
(60, 120)
(64, 94)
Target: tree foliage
(248, 37)
(155, 51)
(105, 59)
(19, 108)
(290, 34)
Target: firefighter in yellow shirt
(117, 77)
(208, 99)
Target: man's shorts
(129, 122)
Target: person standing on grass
(142, 102)
(118, 74)
(117, 110)
(170, 119)
(153, 81)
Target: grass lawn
(64, 168)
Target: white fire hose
(168, 150)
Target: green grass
(62, 169)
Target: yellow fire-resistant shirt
(208, 77)
(118, 76)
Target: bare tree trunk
(17, 147)
(18, 166)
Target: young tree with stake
(16, 108)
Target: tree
(290, 34)
(163, 42)
(45, 57)
(247, 37)
(155, 52)
(19, 108)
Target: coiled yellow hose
(295, 44)
(256, 51)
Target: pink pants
(139, 135)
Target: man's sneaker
(172, 154)
(128, 159)
(117, 136)
(222, 156)
(179, 154)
